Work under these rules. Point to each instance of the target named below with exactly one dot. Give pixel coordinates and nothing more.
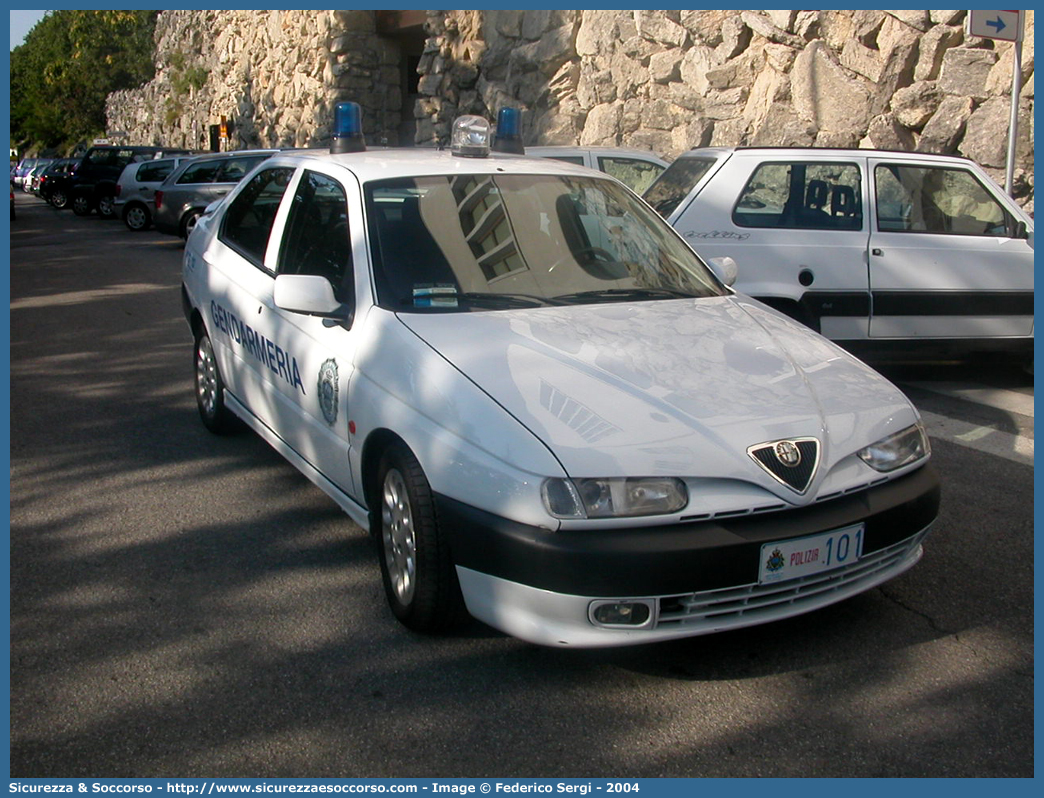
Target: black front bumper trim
(675, 558)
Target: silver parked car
(190, 188)
(137, 188)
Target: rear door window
(235, 169)
(201, 172)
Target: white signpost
(1007, 26)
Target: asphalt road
(189, 605)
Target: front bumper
(700, 577)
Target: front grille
(796, 477)
(714, 610)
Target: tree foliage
(70, 61)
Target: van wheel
(210, 389)
(419, 578)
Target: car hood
(679, 387)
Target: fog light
(621, 613)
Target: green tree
(70, 61)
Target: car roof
(824, 153)
(378, 164)
(564, 149)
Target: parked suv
(877, 250)
(187, 191)
(94, 184)
(137, 187)
(634, 168)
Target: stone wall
(660, 80)
(672, 80)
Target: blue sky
(21, 23)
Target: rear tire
(210, 389)
(420, 580)
(137, 217)
(59, 199)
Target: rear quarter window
(674, 185)
(798, 195)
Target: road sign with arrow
(1004, 25)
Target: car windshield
(675, 183)
(490, 242)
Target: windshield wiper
(624, 295)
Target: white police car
(544, 406)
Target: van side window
(247, 223)
(915, 199)
(316, 239)
(812, 196)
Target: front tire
(210, 389)
(137, 217)
(419, 577)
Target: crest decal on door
(328, 388)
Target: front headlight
(898, 450)
(614, 498)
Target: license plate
(791, 559)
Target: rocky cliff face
(661, 80)
(275, 75)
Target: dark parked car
(55, 182)
(51, 180)
(94, 184)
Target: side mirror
(1029, 239)
(724, 269)
(306, 293)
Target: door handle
(876, 251)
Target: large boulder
(825, 96)
(946, 126)
(965, 72)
